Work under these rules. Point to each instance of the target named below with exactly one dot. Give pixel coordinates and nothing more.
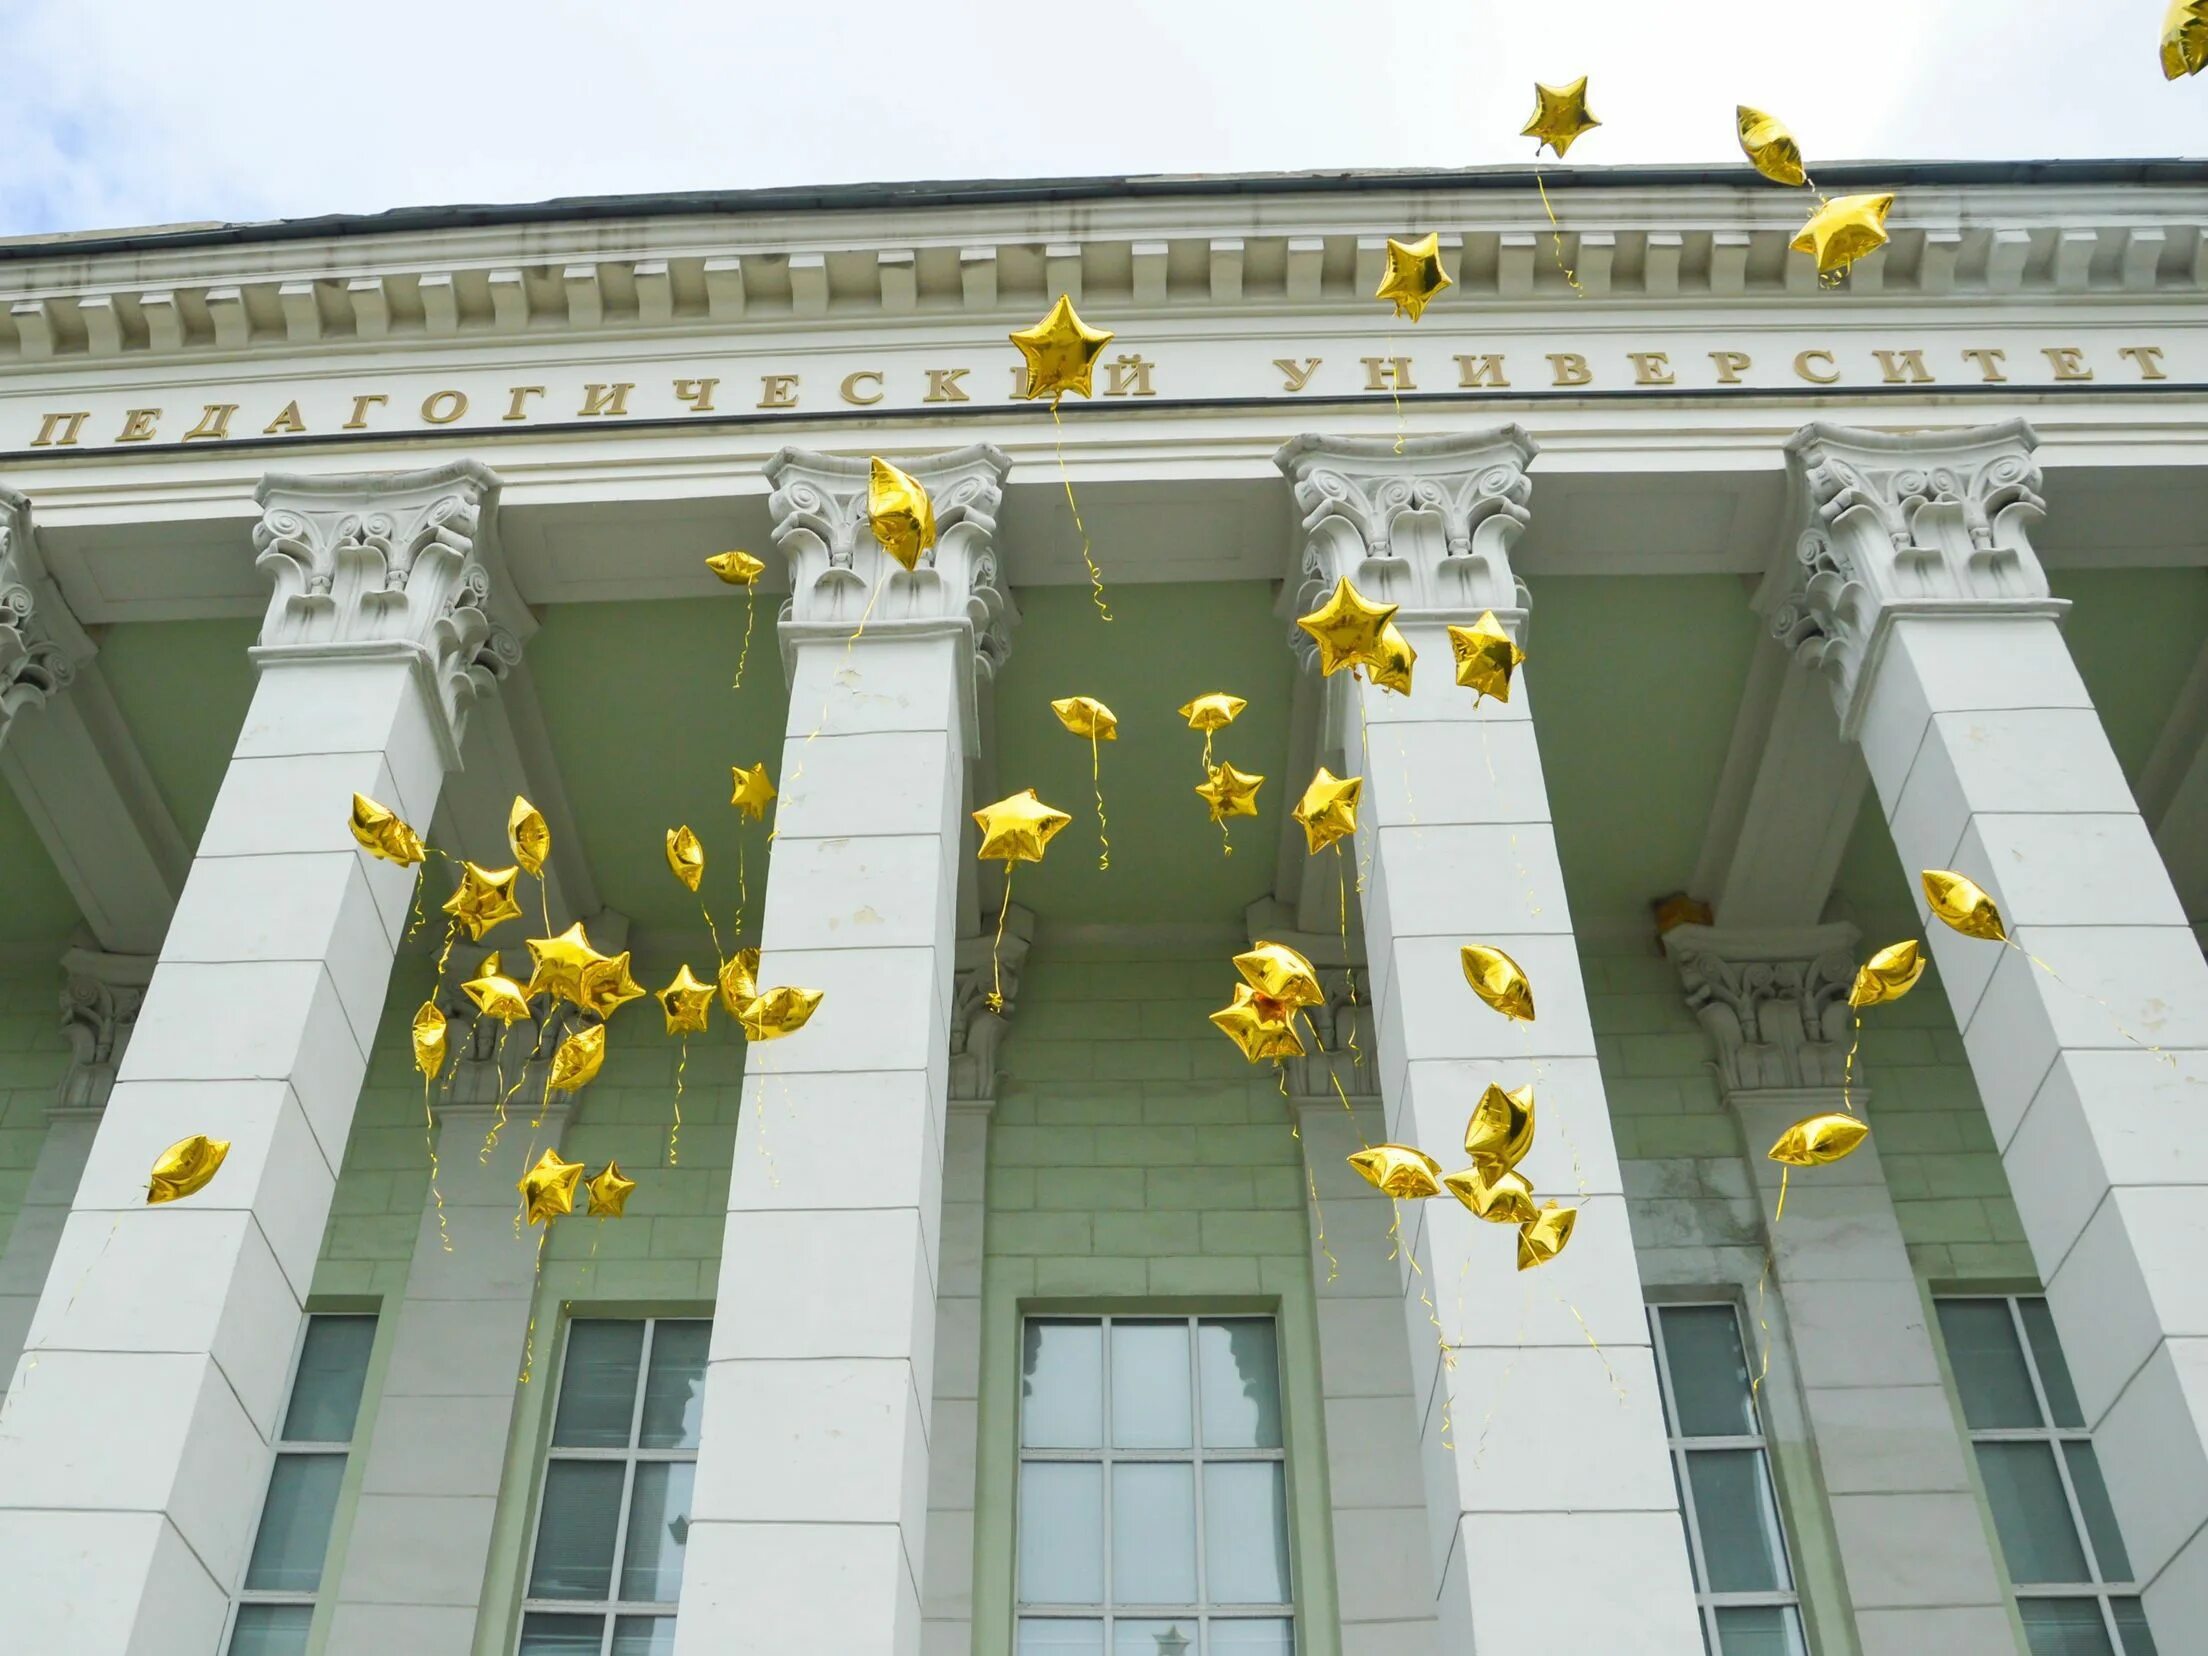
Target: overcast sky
(134, 112)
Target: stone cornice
(1774, 1003)
(41, 645)
(976, 1031)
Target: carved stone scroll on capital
(984, 971)
(1774, 1004)
(41, 645)
(100, 997)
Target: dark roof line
(1156, 186)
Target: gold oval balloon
(1770, 148)
(1505, 1199)
(1817, 1140)
(1280, 974)
(685, 856)
(1086, 716)
(528, 835)
(1391, 661)
(1398, 1170)
(1964, 904)
(779, 1012)
(1496, 979)
(1060, 352)
(1259, 1027)
(1888, 975)
(1486, 657)
(578, 1059)
(185, 1167)
(739, 981)
(899, 512)
(548, 1189)
(1543, 1237)
(1500, 1129)
(382, 832)
(736, 568)
(1017, 828)
(429, 1039)
(2184, 39)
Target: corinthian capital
(1427, 524)
(1774, 1003)
(41, 645)
(1890, 526)
(392, 562)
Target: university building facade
(1005, 1307)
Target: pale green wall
(33, 1058)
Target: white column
(807, 1529)
(1915, 590)
(135, 1446)
(1573, 1503)
(1913, 1546)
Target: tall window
(1742, 1580)
(1153, 1489)
(275, 1607)
(614, 1517)
(2058, 1533)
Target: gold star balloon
(1486, 656)
(1964, 905)
(1229, 792)
(1542, 1238)
(429, 1039)
(382, 832)
(1770, 148)
(558, 964)
(577, 1060)
(495, 995)
(1061, 352)
(1413, 276)
(1391, 661)
(2184, 39)
(1818, 1140)
(1280, 974)
(899, 512)
(685, 856)
(609, 1193)
(1328, 808)
(1212, 712)
(778, 1012)
(1888, 975)
(548, 1189)
(1086, 716)
(1560, 115)
(606, 986)
(484, 898)
(736, 568)
(739, 981)
(1843, 230)
(686, 1002)
(528, 835)
(1398, 1170)
(1259, 1027)
(1496, 979)
(1017, 828)
(752, 792)
(1500, 1130)
(1503, 1199)
(1346, 628)
(185, 1167)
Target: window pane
(1739, 1520)
(659, 1528)
(598, 1385)
(1253, 1638)
(2131, 1625)
(2054, 1373)
(1245, 1533)
(1153, 1534)
(1709, 1372)
(1759, 1630)
(1062, 1385)
(1241, 1378)
(295, 1523)
(2029, 1512)
(644, 1636)
(1061, 1638)
(543, 1635)
(271, 1630)
(2100, 1517)
(1150, 1401)
(325, 1395)
(1988, 1363)
(575, 1533)
(2064, 1627)
(1178, 1637)
(675, 1389)
(1061, 1536)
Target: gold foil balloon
(2184, 39)
(1843, 230)
(528, 835)
(1391, 661)
(1346, 628)
(1500, 1129)
(1328, 808)
(607, 986)
(1414, 275)
(185, 1167)
(1770, 148)
(1888, 975)
(1486, 656)
(495, 995)
(739, 981)
(736, 568)
(899, 512)
(1279, 973)
(1398, 1170)
(484, 898)
(1212, 712)
(1061, 352)
(559, 963)
(548, 1189)
(1542, 1238)
(778, 1012)
(686, 1002)
(1964, 905)
(685, 856)
(1017, 828)
(1086, 716)
(383, 833)
(1817, 1140)
(1229, 792)
(429, 1039)
(752, 792)
(1259, 1027)
(577, 1060)
(609, 1193)
(1560, 115)
(1496, 979)
(1500, 1199)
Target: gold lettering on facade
(2149, 359)
(1569, 368)
(1388, 374)
(286, 424)
(1989, 363)
(1902, 368)
(849, 390)
(517, 401)
(609, 400)
(698, 393)
(2068, 362)
(361, 405)
(1803, 359)
(943, 385)
(214, 422)
(1730, 365)
(1476, 371)
(1129, 376)
(1294, 377)
(60, 430)
(138, 425)
(777, 390)
(1652, 368)
(444, 407)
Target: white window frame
(1196, 1457)
(2100, 1589)
(300, 1448)
(630, 1457)
(1708, 1603)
